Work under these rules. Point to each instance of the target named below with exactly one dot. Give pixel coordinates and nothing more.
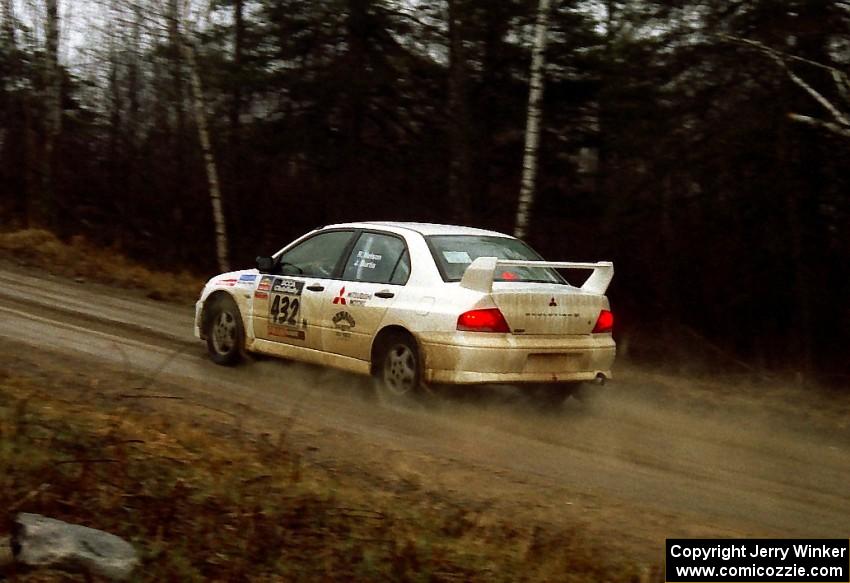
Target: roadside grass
(207, 502)
(80, 259)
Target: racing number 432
(284, 310)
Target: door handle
(384, 294)
(316, 287)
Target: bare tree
(840, 120)
(8, 32)
(42, 211)
(839, 124)
(460, 165)
(238, 50)
(8, 57)
(54, 82)
(532, 129)
(187, 49)
(209, 159)
(133, 78)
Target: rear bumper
(467, 358)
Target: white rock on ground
(46, 543)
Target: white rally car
(416, 304)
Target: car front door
(288, 304)
(375, 271)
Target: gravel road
(651, 456)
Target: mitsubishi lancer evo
(416, 305)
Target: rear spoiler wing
(480, 273)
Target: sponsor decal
(247, 278)
(343, 322)
(290, 287)
(457, 257)
(367, 260)
(286, 332)
(265, 283)
(226, 282)
(358, 298)
(340, 297)
(260, 295)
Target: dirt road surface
(652, 456)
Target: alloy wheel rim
(400, 370)
(224, 333)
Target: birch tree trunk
(209, 160)
(532, 129)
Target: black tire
(225, 332)
(398, 367)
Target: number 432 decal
(285, 310)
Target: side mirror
(265, 264)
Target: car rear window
(454, 253)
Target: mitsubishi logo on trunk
(553, 303)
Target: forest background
(702, 145)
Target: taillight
(605, 322)
(489, 320)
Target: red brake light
(605, 322)
(489, 320)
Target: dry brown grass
(206, 502)
(79, 258)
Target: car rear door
(288, 305)
(375, 272)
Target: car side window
(378, 258)
(401, 273)
(318, 256)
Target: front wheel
(399, 371)
(225, 333)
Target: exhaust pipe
(599, 380)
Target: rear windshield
(454, 253)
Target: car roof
(424, 229)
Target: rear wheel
(224, 331)
(399, 370)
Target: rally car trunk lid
(548, 309)
(543, 308)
